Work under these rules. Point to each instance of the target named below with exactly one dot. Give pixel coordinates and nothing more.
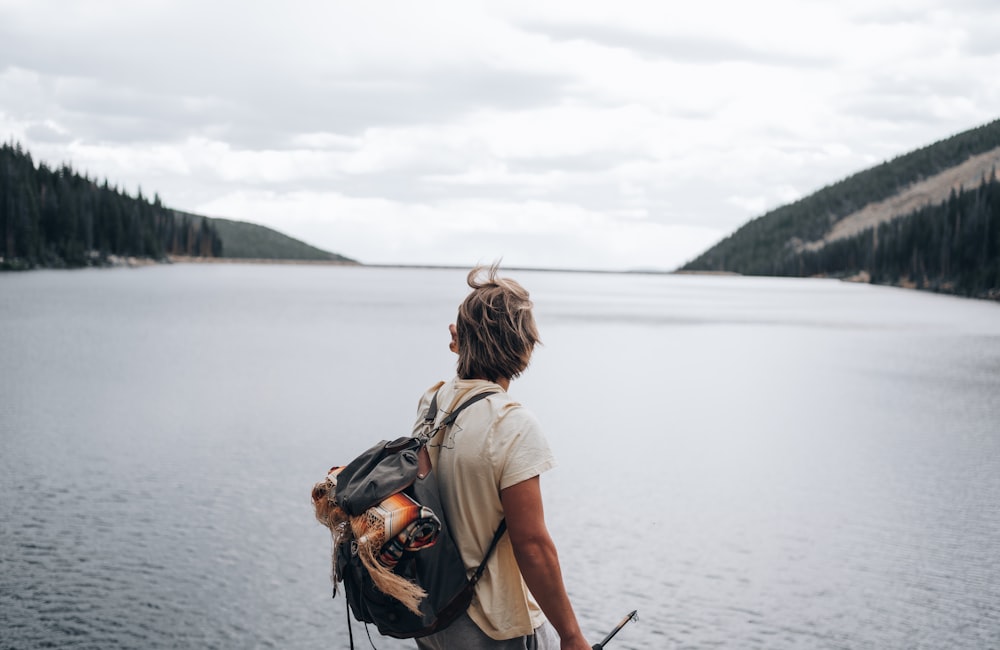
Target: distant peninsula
(58, 218)
(929, 219)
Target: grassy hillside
(242, 240)
(769, 245)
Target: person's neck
(503, 382)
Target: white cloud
(565, 134)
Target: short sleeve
(519, 448)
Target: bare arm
(538, 560)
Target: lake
(749, 462)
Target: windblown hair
(495, 326)
(369, 539)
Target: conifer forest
(59, 218)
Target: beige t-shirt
(494, 444)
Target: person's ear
(453, 346)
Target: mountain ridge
(929, 218)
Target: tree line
(952, 247)
(59, 218)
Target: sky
(587, 135)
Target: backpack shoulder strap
(460, 602)
(432, 410)
(501, 529)
(448, 421)
(430, 430)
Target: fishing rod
(628, 617)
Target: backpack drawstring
(350, 630)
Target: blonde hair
(496, 329)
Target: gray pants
(464, 634)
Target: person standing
(488, 465)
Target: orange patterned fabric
(403, 523)
(393, 514)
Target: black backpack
(403, 465)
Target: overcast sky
(609, 135)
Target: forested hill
(249, 241)
(929, 219)
(60, 218)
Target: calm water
(750, 463)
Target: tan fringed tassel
(330, 515)
(369, 535)
(370, 540)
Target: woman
(488, 465)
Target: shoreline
(862, 277)
(190, 259)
